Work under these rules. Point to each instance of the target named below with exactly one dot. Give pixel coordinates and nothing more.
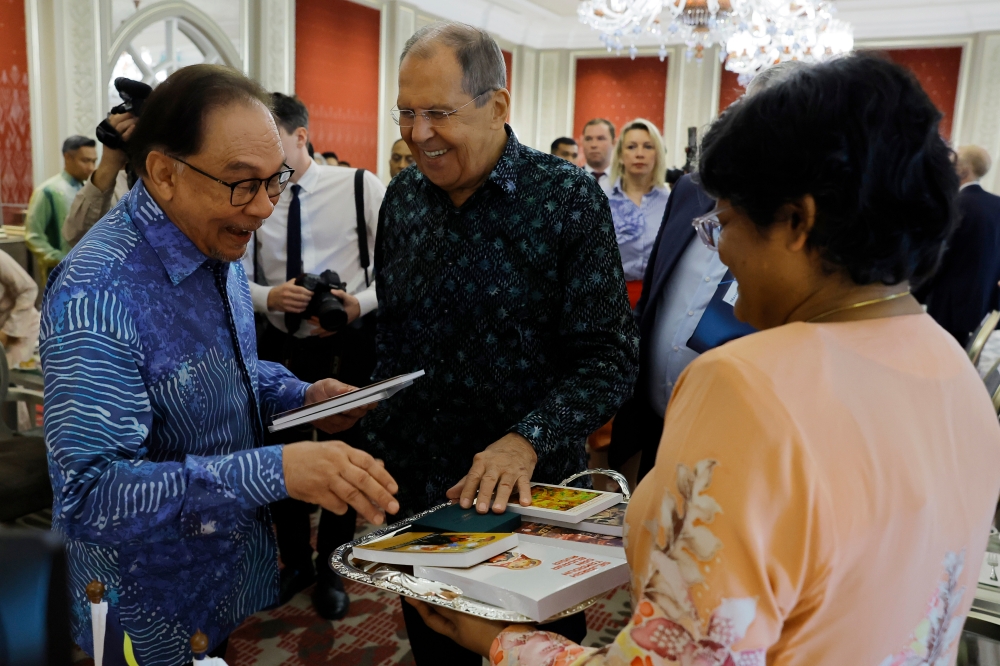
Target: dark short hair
(560, 141)
(289, 112)
(599, 121)
(332, 154)
(310, 148)
(861, 136)
(76, 142)
(173, 118)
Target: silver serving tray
(398, 581)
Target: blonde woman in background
(637, 197)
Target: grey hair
(483, 67)
(774, 75)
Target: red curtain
(336, 75)
(620, 90)
(937, 70)
(730, 89)
(15, 114)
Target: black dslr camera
(133, 94)
(323, 305)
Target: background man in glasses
(314, 228)
(156, 403)
(498, 274)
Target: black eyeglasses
(242, 192)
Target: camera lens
(330, 311)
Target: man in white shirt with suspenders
(325, 220)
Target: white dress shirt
(682, 303)
(329, 236)
(605, 180)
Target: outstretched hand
(502, 466)
(335, 475)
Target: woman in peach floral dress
(823, 490)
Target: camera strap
(359, 209)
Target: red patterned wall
(619, 89)
(336, 75)
(730, 89)
(15, 115)
(937, 70)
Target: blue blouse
(636, 226)
(154, 410)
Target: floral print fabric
(810, 482)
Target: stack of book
(571, 551)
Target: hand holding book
(504, 466)
(329, 388)
(471, 632)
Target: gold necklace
(862, 304)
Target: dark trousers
(430, 647)
(637, 428)
(349, 357)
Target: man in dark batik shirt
(498, 275)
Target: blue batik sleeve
(97, 425)
(280, 390)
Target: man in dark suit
(639, 422)
(965, 288)
(683, 280)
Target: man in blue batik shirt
(155, 402)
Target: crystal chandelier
(755, 33)
(696, 23)
(779, 30)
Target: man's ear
(799, 218)
(161, 175)
(501, 108)
(301, 137)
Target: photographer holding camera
(310, 277)
(108, 184)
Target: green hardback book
(453, 518)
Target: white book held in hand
(343, 402)
(535, 580)
(610, 522)
(567, 505)
(439, 549)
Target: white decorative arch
(187, 19)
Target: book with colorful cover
(610, 521)
(535, 580)
(436, 549)
(565, 504)
(566, 537)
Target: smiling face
(597, 146)
(240, 141)
(459, 155)
(638, 153)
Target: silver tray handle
(610, 473)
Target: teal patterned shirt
(514, 305)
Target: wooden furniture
(24, 470)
